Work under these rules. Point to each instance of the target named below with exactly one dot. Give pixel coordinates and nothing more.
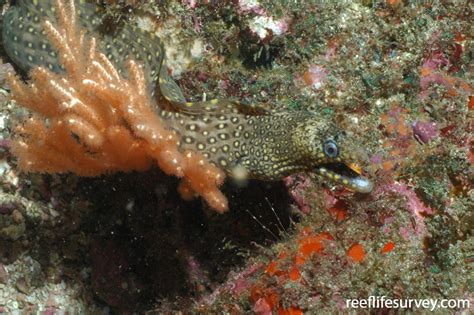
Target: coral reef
(396, 74)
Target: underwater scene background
(344, 130)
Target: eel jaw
(344, 175)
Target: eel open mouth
(345, 175)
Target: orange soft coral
(91, 120)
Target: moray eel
(247, 141)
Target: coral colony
(111, 116)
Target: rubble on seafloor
(397, 75)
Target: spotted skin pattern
(259, 143)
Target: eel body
(242, 139)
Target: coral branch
(92, 121)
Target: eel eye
(330, 149)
